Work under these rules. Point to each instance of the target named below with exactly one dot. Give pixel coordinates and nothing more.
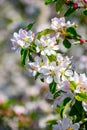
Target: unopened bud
(75, 5)
(82, 40)
(85, 1)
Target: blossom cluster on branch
(42, 55)
(71, 5)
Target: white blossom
(22, 39)
(46, 45)
(81, 82)
(66, 124)
(60, 23)
(19, 110)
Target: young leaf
(31, 58)
(52, 58)
(72, 85)
(64, 104)
(81, 96)
(30, 26)
(58, 93)
(71, 32)
(36, 76)
(70, 11)
(52, 87)
(77, 111)
(49, 1)
(66, 43)
(85, 12)
(32, 47)
(51, 121)
(59, 5)
(45, 32)
(24, 53)
(42, 79)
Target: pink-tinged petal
(54, 27)
(20, 43)
(14, 43)
(22, 33)
(56, 47)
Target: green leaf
(85, 12)
(52, 87)
(24, 53)
(59, 5)
(70, 11)
(44, 32)
(52, 122)
(36, 76)
(81, 96)
(52, 58)
(58, 93)
(30, 26)
(72, 85)
(42, 79)
(77, 111)
(71, 32)
(64, 105)
(32, 47)
(49, 1)
(66, 43)
(31, 58)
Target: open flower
(47, 45)
(37, 65)
(50, 72)
(81, 82)
(59, 23)
(22, 39)
(66, 124)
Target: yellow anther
(26, 40)
(51, 47)
(82, 89)
(70, 128)
(58, 25)
(79, 83)
(62, 72)
(41, 48)
(41, 64)
(52, 73)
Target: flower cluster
(43, 57)
(22, 39)
(66, 124)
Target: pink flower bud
(75, 5)
(85, 1)
(82, 40)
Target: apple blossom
(59, 23)
(48, 63)
(66, 124)
(46, 45)
(22, 39)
